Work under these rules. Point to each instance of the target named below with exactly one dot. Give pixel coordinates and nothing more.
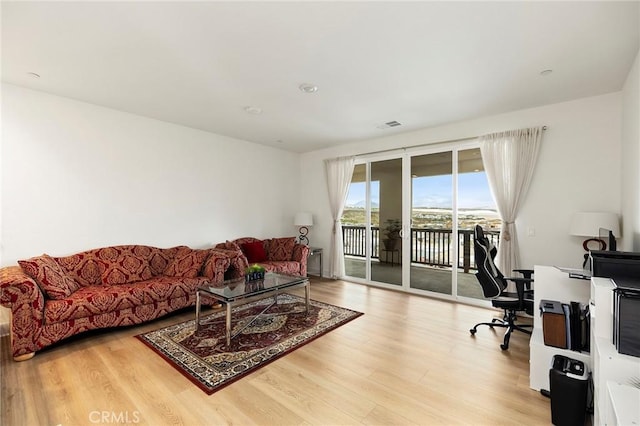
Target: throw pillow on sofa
(187, 263)
(254, 251)
(50, 276)
(281, 248)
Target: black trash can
(568, 388)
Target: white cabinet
(623, 405)
(552, 284)
(612, 371)
(616, 402)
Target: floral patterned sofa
(52, 298)
(281, 255)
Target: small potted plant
(392, 234)
(254, 272)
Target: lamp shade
(303, 219)
(588, 224)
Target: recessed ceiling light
(33, 75)
(252, 110)
(308, 88)
(545, 72)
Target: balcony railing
(428, 246)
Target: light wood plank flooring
(408, 360)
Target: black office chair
(494, 285)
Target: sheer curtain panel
(509, 159)
(339, 172)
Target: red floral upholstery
(187, 263)
(88, 267)
(216, 266)
(38, 320)
(237, 260)
(281, 248)
(289, 267)
(94, 300)
(50, 276)
(299, 254)
(166, 288)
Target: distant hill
(362, 204)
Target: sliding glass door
(386, 210)
(432, 242)
(475, 207)
(409, 219)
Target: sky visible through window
(434, 192)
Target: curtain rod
(404, 148)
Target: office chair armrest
(526, 280)
(520, 285)
(527, 273)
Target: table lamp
(588, 224)
(303, 220)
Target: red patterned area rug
(206, 360)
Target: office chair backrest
(488, 275)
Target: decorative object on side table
(303, 220)
(254, 272)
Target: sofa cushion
(254, 251)
(50, 276)
(289, 267)
(160, 289)
(94, 300)
(187, 263)
(281, 248)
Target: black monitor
(615, 264)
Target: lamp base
(302, 238)
(585, 245)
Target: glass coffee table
(236, 292)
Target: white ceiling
(420, 63)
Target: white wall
(578, 169)
(631, 160)
(77, 176)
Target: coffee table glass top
(238, 288)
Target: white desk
(552, 284)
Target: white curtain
(509, 159)
(339, 172)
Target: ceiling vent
(389, 124)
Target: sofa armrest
(17, 288)
(238, 263)
(23, 296)
(216, 265)
(301, 255)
